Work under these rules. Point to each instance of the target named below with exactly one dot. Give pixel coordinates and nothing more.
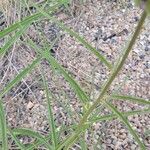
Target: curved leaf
(13, 39)
(27, 20)
(19, 144)
(125, 121)
(130, 98)
(79, 38)
(31, 133)
(45, 54)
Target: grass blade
(73, 138)
(114, 116)
(125, 121)
(79, 38)
(37, 143)
(19, 144)
(50, 113)
(130, 98)
(83, 142)
(111, 117)
(30, 19)
(12, 40)
(19, 77)
(3, 127)
(45, 54)
(81, 94)
(31, 133)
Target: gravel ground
(107, 25)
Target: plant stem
(117, 67)
(106, 86)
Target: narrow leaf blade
(125, 121)
(50, 113)
(3, 127)
(130, 98)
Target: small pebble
(30, 105)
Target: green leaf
(147, 133)
(64, 2)
(19, 77)
(36, 143)
(18, 143)
(31, 133)
(137, 2)
(27, 20)
(130, 98)
(69, 140)
(83, 142)
(13, 39)
(3, 127)
(50, 114)
(125, 121)
(114, 116)
(148, 6)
